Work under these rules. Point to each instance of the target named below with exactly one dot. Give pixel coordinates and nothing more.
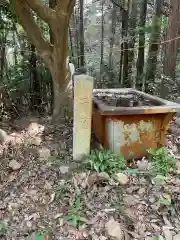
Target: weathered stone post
(83, 91)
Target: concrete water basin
(130, 122)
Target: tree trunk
(3, 39)
(113, 19)
(35, 87)
(172, 33)
(2, 61)
(140, 59)
(76, 24)
(123, 70)
(125, 19)
(71, 44)
(59, 71)
(15, 49)
(154, 45)
(132, 40)
(81, 33)
(102, 43)
(52, 4)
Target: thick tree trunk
(59, 72)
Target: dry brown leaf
(98, 178)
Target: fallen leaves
(14, 165)
(114, 229)
(130, 200)
(122, 178)
(135, 206)
(97, 178)
(64, 169)
(36, 141)
(44, 153)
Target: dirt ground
(39, 182)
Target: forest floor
(41, 190)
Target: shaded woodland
(119, 43)
(44, 193)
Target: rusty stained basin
(131, 131)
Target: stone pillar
(83, 91)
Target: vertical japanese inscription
(83, 89)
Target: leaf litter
(43, 191)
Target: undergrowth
(106, 161)
(163, 163)
(3, 228)
(75, 215)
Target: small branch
(65, 7)
(118, 5)
(45, 13)
(71, 6)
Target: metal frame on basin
(165, 106)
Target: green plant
(106, 161)
(156, 238)
(3, 228)
(62, 191)
(163, 162)
(38, 236)
(75, 214)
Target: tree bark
(35, 87)
(113, 19)
(102, 43)
(154, 45)
(172, 33)
(52, 4)
(59, 71)
(3, 39)
(132, 33)
(75, 26)
(81, 33)
(123, 70)
(140, 59)
(125, 20)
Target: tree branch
(65, 7)
(71, 6)
(45, 13)
(33, 31)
